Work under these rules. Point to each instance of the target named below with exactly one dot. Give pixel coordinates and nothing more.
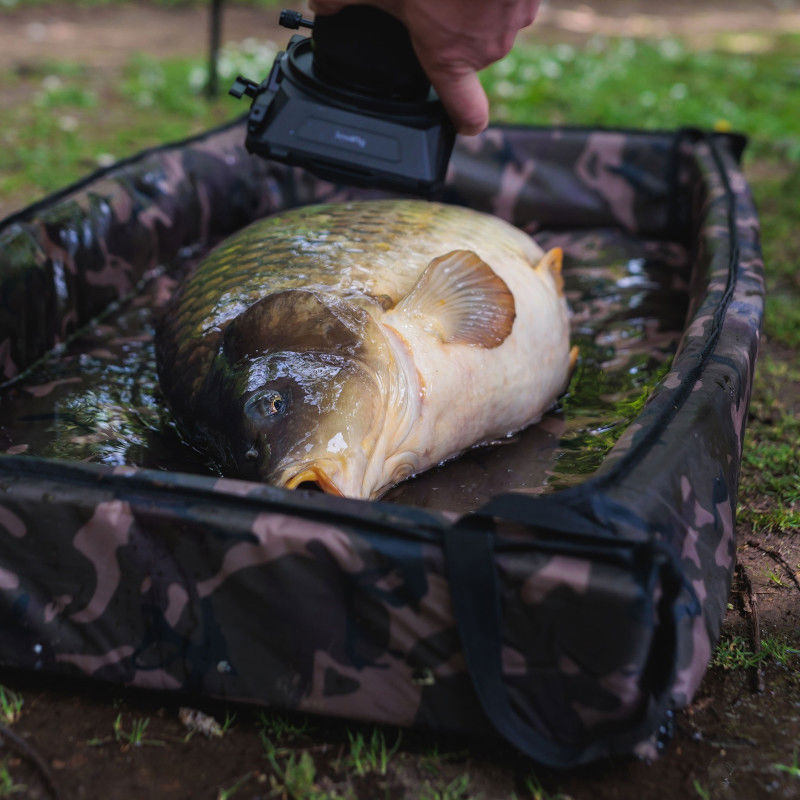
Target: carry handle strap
(475, 594)
(545, 513)
(469, 548)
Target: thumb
(463, 97)
(326, 7)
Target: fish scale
(272, 254)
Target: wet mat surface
(98, 399)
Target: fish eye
(269, 404)
(276, 404)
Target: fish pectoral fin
(552, 262)
(463, 299)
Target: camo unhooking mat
(573, 623)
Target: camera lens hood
(349, 132)
(302, 67)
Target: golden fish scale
(376, 248)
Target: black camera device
(351, 104)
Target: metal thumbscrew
(294, 20)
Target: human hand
(454, 39)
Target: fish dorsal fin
(551, 262)
(462, 300)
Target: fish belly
(470, 395)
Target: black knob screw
(294, 20)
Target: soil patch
(109, 36)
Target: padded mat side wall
(678, 465)
(65, 260)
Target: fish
(349, 346)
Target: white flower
(36, 31)
(551, 69)
(505, 89)
(627, 48)
(678, 91)
(597, 44)
(505, 67)
(68, 123)
(565, 52)
(226, 66)
(647, 99)
(153, 77)
(198, 77)
(670, 49)
(51, 83)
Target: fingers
(453, 39)
(325, 7)
(463, 97)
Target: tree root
(777, 558)
(744, 589)
(27, 751)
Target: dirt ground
(726, 745)
(107, 37)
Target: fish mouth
(313, 474)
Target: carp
(352, 345)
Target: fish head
(301, 392)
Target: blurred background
(87, 82)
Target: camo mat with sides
(572, 615)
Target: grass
(8, 787)
(363, 763)
(776, 191)
(625, 82)
(10, 706)
(792, 769)
(702, 792)
(536, 791)
(282, 727)
(293, 773)
(456, 789)
(770, 482)
(775, 578)
(370, 754)
(136, 735)
(734, 652)
(231, 791)
(74, 119)
(297, 778)
(432, 760)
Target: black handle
(368, 50)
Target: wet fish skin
(355, 344)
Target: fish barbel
(353, 345)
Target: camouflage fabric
(596, 605)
